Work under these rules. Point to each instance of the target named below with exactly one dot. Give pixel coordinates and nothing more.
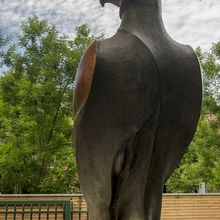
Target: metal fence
(73, 207)
(42, 210)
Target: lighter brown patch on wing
(83, 83)
(84, 77)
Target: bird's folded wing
(83, 83)
(84, 78)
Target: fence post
(67, 212)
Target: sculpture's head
(120, 3)
(125, 4)
(114, 2)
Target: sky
(193, 22)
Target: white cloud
(194, 22)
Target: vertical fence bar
(80, 207)
(87, 214)
(39, 211)
(6, 212)
(31, 210)
(56, 211)
(67, 210)
(15, 208)
(47, 212)
(22, 211)
(64, 210)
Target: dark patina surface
(137, 104)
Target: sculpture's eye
(114, 2)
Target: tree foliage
(3, 42)
(36, 109)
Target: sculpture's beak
(114, 2)
(102, 2)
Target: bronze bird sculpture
(137, 103)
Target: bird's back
(140, 112)
(124, 97)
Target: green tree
(3, 42)
(201, 163)
(36, 110)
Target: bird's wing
(83, 81)
(84, 77)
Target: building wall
(191, 206)
(174, 207)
